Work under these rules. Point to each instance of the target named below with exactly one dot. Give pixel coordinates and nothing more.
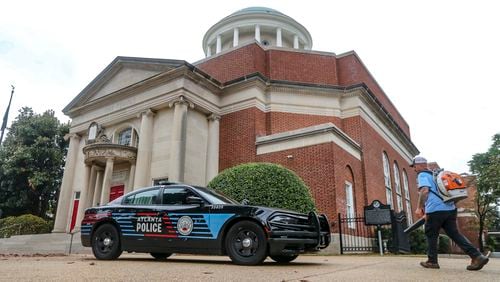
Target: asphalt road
(132, 267)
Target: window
(387, 179)
(148, 197)
(397, 185)
(125, 136)
(92, 134)
(349, 204)
(407, 198)
(176, 196)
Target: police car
(178, 218)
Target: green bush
(444, 244)
(24, 224)
(265, 184)
(418, 243)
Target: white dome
(265, 25)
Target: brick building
(260, 95)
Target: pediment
(121, 73)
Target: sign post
(378, 214)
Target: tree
(486, 167)
(31, 163)
(265, 184)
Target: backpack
(451, 186)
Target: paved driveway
(131, 267)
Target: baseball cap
(418, 160)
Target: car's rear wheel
(246, 243)
(160, 256)
(106, 242)
(284, 258)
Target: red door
(75, 212)
(116, 191)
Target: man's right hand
(419, 212)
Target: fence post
(340, 235)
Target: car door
(186, 224)
(139, 219)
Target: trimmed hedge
(265, 184)
(22, 225)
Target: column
(236, 36)
(209, 51)
(130, 184)
(83, 198)
(178, 141)
(66, 189)
(296, 41)
(143, 163)
(257, 32)
(218, 45)
(98, 188)
(212, 165)
(279, 42)
(106, 183)
(91, 190)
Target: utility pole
(6, 116)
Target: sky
(437, 61)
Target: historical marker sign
(377, 214)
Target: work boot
(478, 262)
(428, 264)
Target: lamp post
(6, 116)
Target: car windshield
(215, 197)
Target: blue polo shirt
(433, 203)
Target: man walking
(439, 214)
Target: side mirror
(194, 200)
(245, 202)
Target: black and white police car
(178, 218)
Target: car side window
(176, 196)
(142, 198)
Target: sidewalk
(135, 267)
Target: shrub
(24, 224)
(265, 184)
(418, 243)
(444, 244)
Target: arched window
(349, 196)
(397, 185)
(407, 198)
(387, 179)
(127, 137)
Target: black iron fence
(356, 237)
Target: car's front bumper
(313, 237)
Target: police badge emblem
(185, 225)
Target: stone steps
(52, 243)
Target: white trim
(308, 136)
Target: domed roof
(251, 10)
(252, 16)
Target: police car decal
(185, 225)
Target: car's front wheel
(284, 258)
(160, 256)
(106, 242)
(246, 243)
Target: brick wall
(305, 67)
(373, 146)
(281, 122)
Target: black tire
(284, 258)
(246, 243)
(160, 256)
(106, 242)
